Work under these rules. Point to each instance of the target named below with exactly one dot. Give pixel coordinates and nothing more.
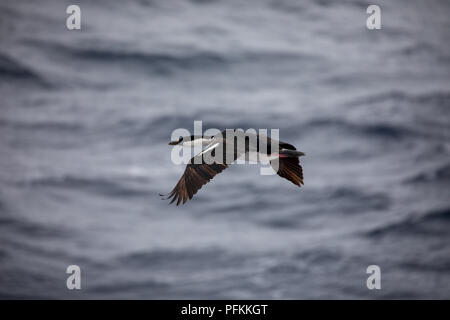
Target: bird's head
(173, 143)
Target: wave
(13, 70)
(166, 62)
(392, 95)
(159, 62)
(43, 125)
(430, 224)
(439, 174)
(160, 127)
(437, 265)
(437, 98)
(99, 185)
(31, 229)
(135, 288)
(169, 257)
(318, 256)
(353, 198)
(381, 129)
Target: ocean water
(85, 118)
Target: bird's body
(228, 146)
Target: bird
(223, 149)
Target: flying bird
(223, 149)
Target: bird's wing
(199, 171)
(285, 145)
(290, 169)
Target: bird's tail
(291, 153)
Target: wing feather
(290, 169)
(195, 176)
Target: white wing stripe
(209, 148)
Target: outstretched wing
(194, 177)
(199, 171)
(290, 169)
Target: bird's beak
(173, 143)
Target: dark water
(86, 116)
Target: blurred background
(85, 118)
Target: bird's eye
(181, 139)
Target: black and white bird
(223, 149)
